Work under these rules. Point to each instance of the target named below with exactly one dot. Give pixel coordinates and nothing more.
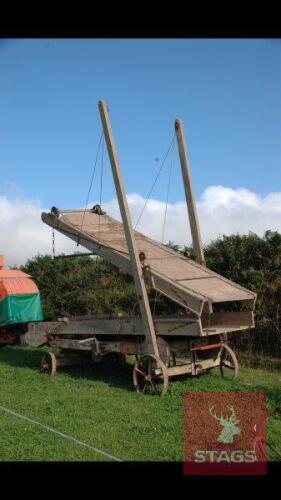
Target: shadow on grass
(21, 357)
(115, 377)
(24, 357)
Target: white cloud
(221, 210)
(23, 234)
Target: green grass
(103, 410)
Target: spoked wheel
(150, 375)
(228, 363)
(49, 364)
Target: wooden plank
(203, 364)
(169, 267)
(228, 319)
(70, 344)
(36, 339)
(219, 330)
(38, 332)
(215, 289)
(130, 327)
(44, 326)
(178, 293)
(173, 371)
(129, 233)
(129, 348)
(190, 200)
(104, 327)
(115, 257)
(192, 329)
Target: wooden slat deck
(182, 279)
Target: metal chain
(53, 243)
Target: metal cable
(92, 179)
(156, 179)
(167, 200)
(163, 229)
(101, 183)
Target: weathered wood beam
(131, 327)
(226, 319)
(129, 233)
(190, 199)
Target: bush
(255, 263)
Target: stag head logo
(229, 425)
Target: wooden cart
(164, 346)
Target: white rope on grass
(61, 434)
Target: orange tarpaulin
(19, 298)
(12, 273)
(16, 286)
(15, 282)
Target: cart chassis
(189, 356)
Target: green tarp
(20, 309)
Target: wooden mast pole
(190, 200)
(129, 233)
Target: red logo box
(225, 433)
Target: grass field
(104, 411)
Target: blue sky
(228, 93)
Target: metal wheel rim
(49, 364)
(140, 372)
(231, 364)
